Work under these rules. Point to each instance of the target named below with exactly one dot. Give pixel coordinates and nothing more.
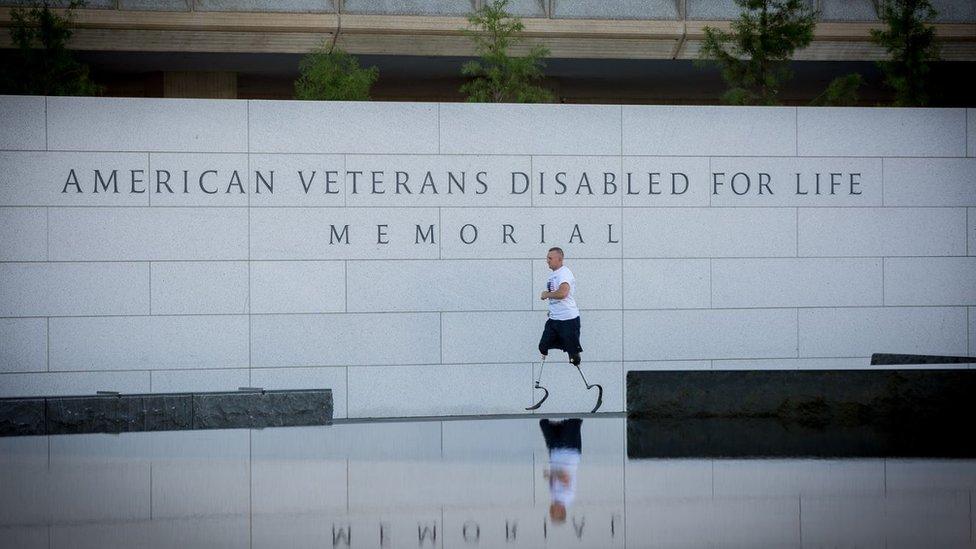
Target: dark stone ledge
(22, 416)
(881, 359)
(113, 413)
(921, 412)
(814, 397)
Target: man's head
(554, 258)
(557, 513)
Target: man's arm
(561, 292)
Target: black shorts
(561, 334)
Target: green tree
(42, 64)
(754, 56)
(842, 92)
(910, 42)
(498, 76)
(330, 74)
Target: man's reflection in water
(565, 446)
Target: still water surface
(502, 482)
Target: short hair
(558, 250)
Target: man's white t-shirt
(562, 309)
(563, 460)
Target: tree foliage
(42, 63)
(331, 74)
(909, 39)
(842, 92)
(497, 76)
(754, 57)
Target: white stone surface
(496, 128)
(225, 530)
(28, 537)
(832, 232)
(301, 486)
(306, 233)
(705, 232)
(54, 179)
(199, 287)
(23, 234)
(930, 182)
(568, 394)
(439, 390)
(703, 522)
(93, 535)
(921, 476)
(439, 285)
(298, 286)
(333, 378)
(743, 180)
(23, 123)
(71, 289)
(666, 284)
(840, 131)
(121, 489)
(514, 337)
(677, 130)
(930, 281)
(739, 269)
(971, 231)
(650, 181)
(141, 124)
(598, 283)
(211, 478)
(289, 174)
(863, 331)
(666, 365)
(971, 132)
(435, 485)
(409, 7)
(972, 332)
(72, 383)
(594, 232)
(653, 479)
(344, 339)
(23, 345)
(189, 381)
(301, 6)
(147, 234)
(198, 179)
(839, 520)
(25, 481)
(736, 333)
(402, 180)
(575, 181)
(621, 9)
(148, 343)
(862, 363)
(802, 282)
(796, 477)
(340, 127)
(941, 520)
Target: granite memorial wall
(394, 252)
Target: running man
(565, 448)
(563, 326)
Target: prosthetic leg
(599, 389)
(545, 391)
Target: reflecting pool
(515, 482)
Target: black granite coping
(806, 397)
(884, 359)
(117, 413)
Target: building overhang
(215, 32)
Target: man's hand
(544, 296)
